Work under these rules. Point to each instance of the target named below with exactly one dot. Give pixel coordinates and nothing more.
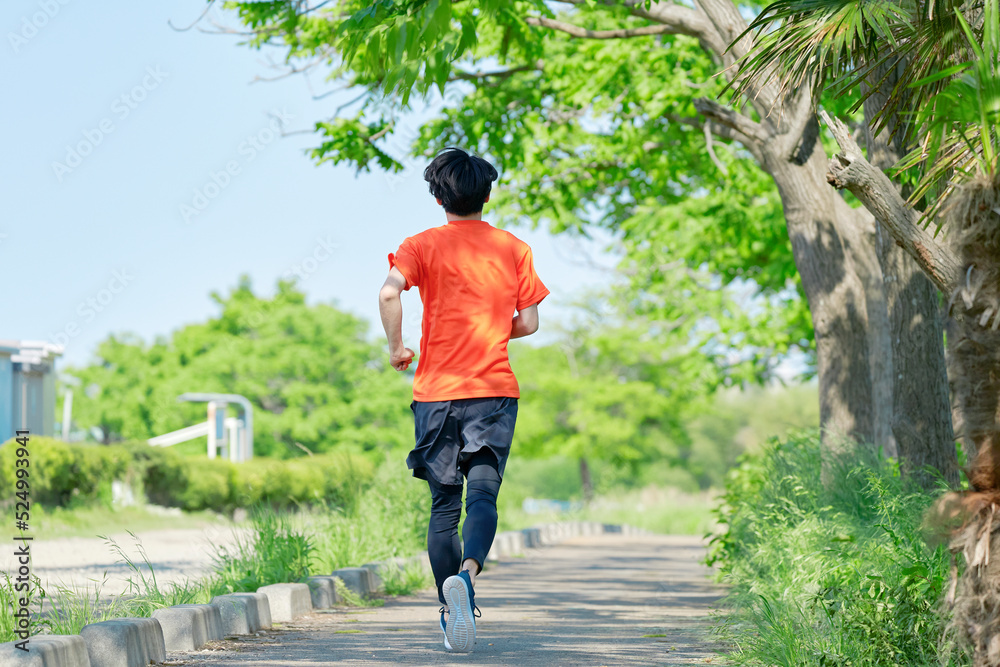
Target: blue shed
(6, 390)
(27, 387)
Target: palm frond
(856, 46)
(959, 125)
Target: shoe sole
(461, 628)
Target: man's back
(471, 277)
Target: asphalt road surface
(601, 600)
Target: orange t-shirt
(472, 277)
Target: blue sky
(115, 123)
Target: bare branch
(610, 3)
(718, 130)
(577, 31)
(730, 118)
(709, 144)
(685, 21)
(849, 169)
(801, 114)
(209, 6)
(290, 69)
(381, 133)
(502, 74)
(350, 102)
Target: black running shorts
(448, 433)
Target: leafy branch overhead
(611, 128)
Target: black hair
(461, 181)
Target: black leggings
(483, 483)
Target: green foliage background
(616, 388)
(311, 372)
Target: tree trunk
(835, 256)
(975, 352)
(586, 482)
(920, 415)
(974, 361)
(836, 260)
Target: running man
(472, 278)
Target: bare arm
(390, 308)
(525, 322)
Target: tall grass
(388, 519)
(10, 599)
(143, 593)
(274, 551)
(837, 575)
(73, 608)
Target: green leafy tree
(603, 114)
(313, 376)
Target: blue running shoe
(444, 624)
(460, 630)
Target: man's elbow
(387, 294)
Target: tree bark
(850, 170)
(586, 483)
(833, 247)
(920, 415)
(832, 244)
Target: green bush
(161, 472)
(63, 474)
(335, 478)
(836, 575)
(74, 473)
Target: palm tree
(929, 76)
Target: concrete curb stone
(323, 591)
(375, 573)
(124, 642)
(263, 608)
(287, 602)
(243, 613)
(357, 579)
(46, 651)
(188, 627)
(532, 538)
(129, 642)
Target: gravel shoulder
(602, 600)
(78, 562)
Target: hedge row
(78, 474)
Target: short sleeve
(530, 289)
(407, 260)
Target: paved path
(604, 600)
